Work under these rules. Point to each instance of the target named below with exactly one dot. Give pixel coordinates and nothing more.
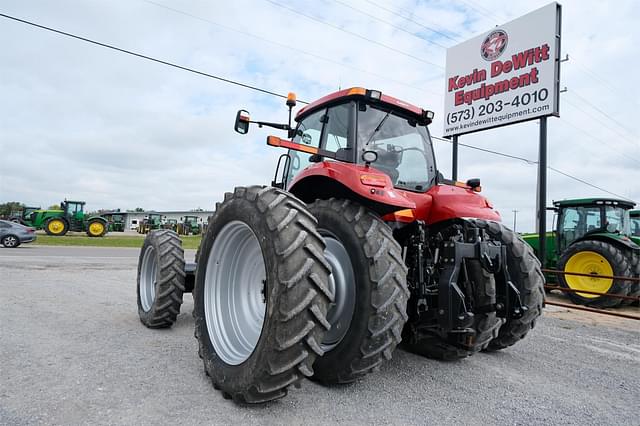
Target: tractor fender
(363, 184)
(621, 241)
(100, 218)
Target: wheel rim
(342, 284)
(148, 278)
(10, 241)
(589, 262)
(56, 226)
(234, 293)
(96, 228)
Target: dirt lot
(74, 352)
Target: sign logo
(494, 44)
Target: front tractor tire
(96, 228)
(161, 279)
(261, 294)
(597, 258)
(56, 226)
(369, 280)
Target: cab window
(328, 130)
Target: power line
(531, 162)
(386, 46)
(622, 135)
(389, 23)
(602, 141)
(486, 13)
(573, 92)
(408, 18)
(586, 183)
(149, 58)
(477, 148)
(295, 49)
(596, 77)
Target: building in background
(132, 219)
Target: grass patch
(110, 240)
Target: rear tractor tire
(261, 294)
(597, 258)
(56, 226)
(526, 275)
(369, 281)
(161, 279)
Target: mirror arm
(274, 125)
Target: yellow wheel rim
(588, 262)
(55, 226)
(96, 228)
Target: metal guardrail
(580, 274)
(587, 308)
(571, 290)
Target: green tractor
(150, 222)
(116, 221)
(189, 225)
(23, 217)
(171, 224)
(70, 217)
(592, 237)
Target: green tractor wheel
(595, 258)
(56, 226)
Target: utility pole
(515, 217)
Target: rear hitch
(452, 310)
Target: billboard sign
(506, 75)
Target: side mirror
(242, 122)
(474, 184)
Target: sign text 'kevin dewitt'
(518, 61)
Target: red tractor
(359, 243)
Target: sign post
(507, 75)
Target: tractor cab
(74, 212)
(582, 218)
(73, 209)
(367, 128)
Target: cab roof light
(291, 99)
(357, 91)
(374, 95)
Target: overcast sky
(83, 122)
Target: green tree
(10, 207)
(55, 207)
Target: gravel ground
(74, 352)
